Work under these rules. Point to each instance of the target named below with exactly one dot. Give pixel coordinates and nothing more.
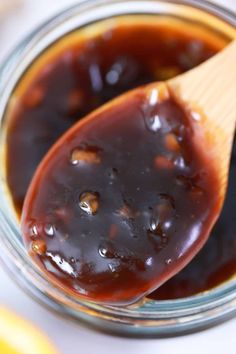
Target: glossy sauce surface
(135, 54)
(216, 262)
(83, 76)
(123, 200)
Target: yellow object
(17, 336)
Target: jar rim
(160, 317)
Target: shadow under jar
(71, 65)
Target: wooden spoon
(210, 89)
(74, 223)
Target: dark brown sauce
(82, 78)
(216, 262)
(124, 200)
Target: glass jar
(149, 318)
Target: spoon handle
(210, 89)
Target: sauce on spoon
(123, 200)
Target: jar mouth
(149, 317)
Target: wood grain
(210, 92)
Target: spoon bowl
(128, 195)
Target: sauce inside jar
(82, 72)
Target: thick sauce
(82, 77)
(124, 199)
(216, 262)
(79, 78)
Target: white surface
(69, 337)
